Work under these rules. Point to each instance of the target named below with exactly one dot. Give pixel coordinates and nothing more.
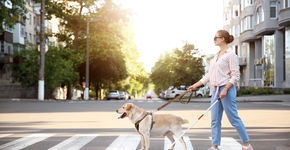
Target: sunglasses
(216, 37)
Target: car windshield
(113, 91)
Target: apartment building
(262, 40)
(24, 34)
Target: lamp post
(86, 95)
(42, 54)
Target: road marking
(178, 145)
(125, 142)
(4, 135)
(75, 142)
(229, 143)
(24, 142)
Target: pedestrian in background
(223, 74)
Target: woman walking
(222, 74)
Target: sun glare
(162, 25)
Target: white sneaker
(249, 147)
(212, 148)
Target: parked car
(123, 95)
(173, 92)
(148, 97)
(113, 94)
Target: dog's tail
(184, 121)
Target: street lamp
(86, 94)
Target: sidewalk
(249, 98)
(253, 98)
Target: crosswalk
(80, 141)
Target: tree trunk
(68, 94)
(97, 91)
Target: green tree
(60, 67)
(113, 54)
(8, 17)
(181, 67)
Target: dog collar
(138, 122)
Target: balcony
(248, 11)
(6, 59)
(284, 17)
(247, 36)
(242, 61)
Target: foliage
(255, 91)
(25, 67)
(181, 67)
(113, 54)
(8, 17)
(60, 63)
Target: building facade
(262, 40)
(24, 34)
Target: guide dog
(148, 124)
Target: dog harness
(138, 122)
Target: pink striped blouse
(223, 70)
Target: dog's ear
(129, 107)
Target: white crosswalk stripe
(125, 142)
(4, 135)
(229, 143)
(178, 145)
(24, 142)
(75, 142)
(122, 142)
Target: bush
(286, 91)
(253, 91)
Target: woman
(223, 73)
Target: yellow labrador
(148, 124)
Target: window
(273, 7)
(247, 23)
(246, 3)
(30, 18)
(236, 49)
(287, 55)
(260, 15)
(30, 37)
(237, 13)
(2, 46)
(237, 30)
(22, 32)
(269, 60)
(286, 3)
(250, 20)
(9, 49)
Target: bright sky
(162, 25)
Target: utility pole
(86, 95)
(42, 54)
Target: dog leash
(179, 97)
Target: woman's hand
(223, 93)
(192, 88)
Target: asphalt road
(35, 125)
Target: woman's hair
(225, 34)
